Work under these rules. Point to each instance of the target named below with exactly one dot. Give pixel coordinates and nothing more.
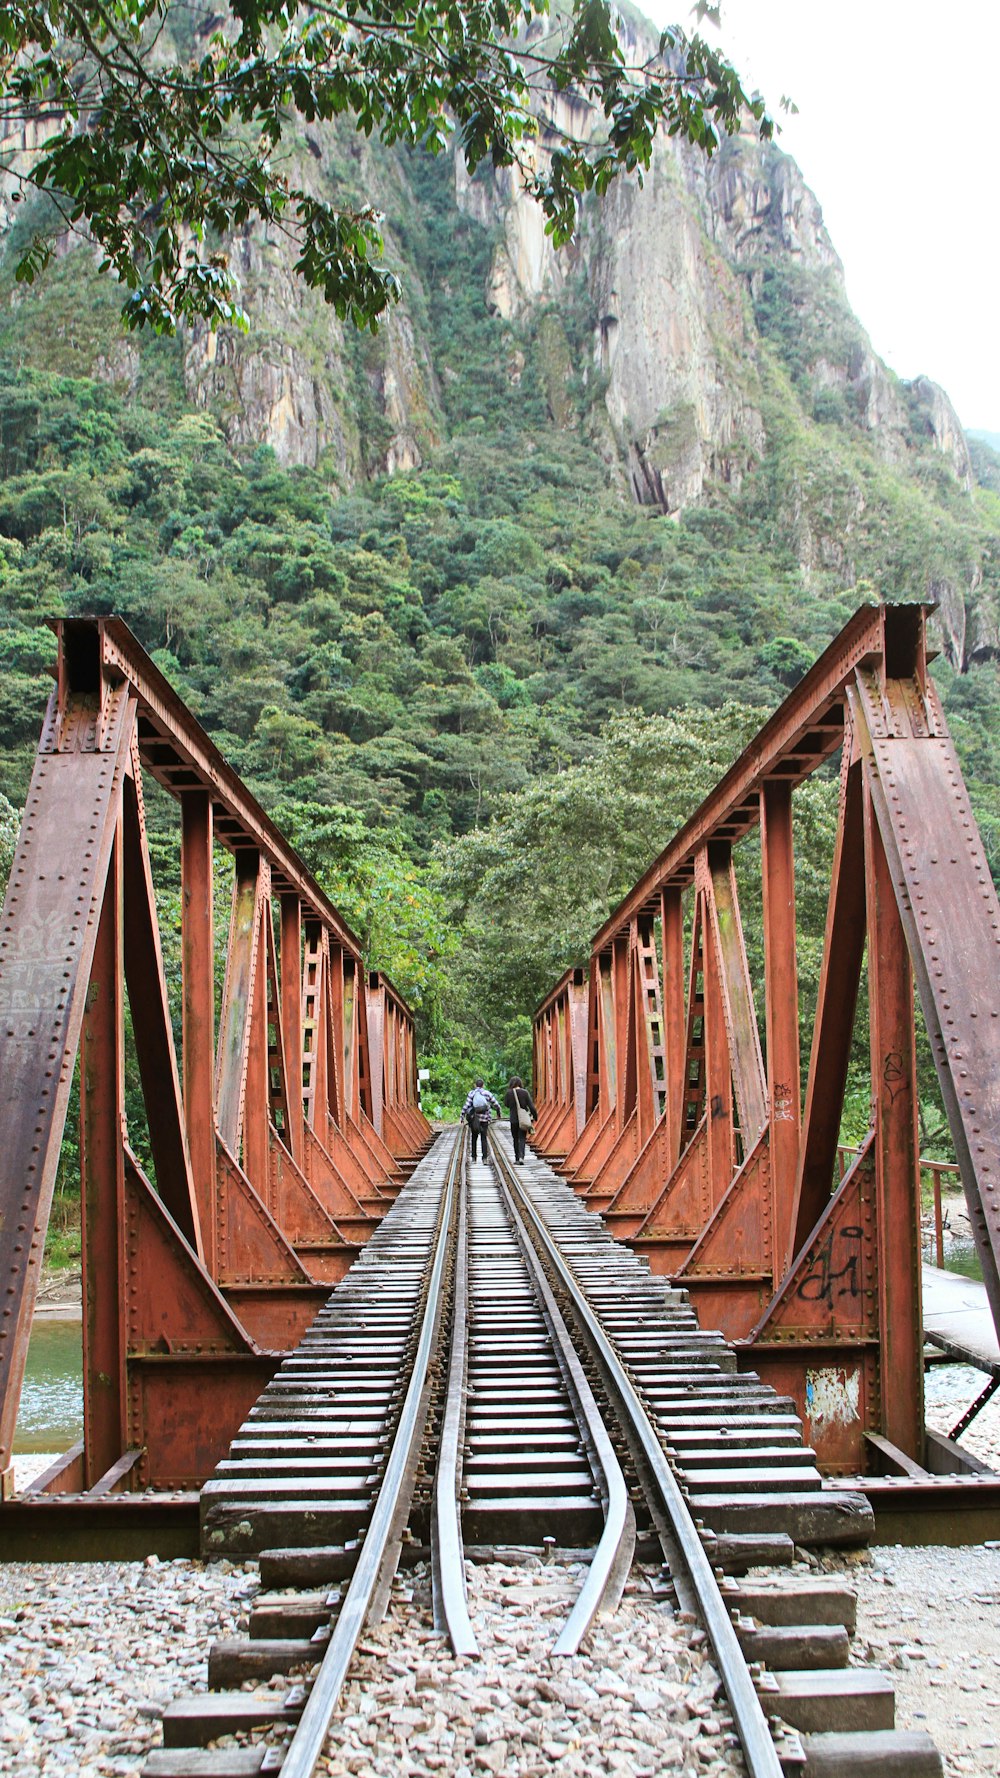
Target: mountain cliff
(696, 336)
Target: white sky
(897, 134)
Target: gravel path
(91, 1652)
(931, 1617)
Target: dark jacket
(511, 1097)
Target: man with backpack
(476, 1112)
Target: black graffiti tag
(893, 1074)
(817, 1285)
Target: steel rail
(380, 1550)
(612, 1559)
(748, 1715)
(451, 1604)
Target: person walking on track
(476, 1112)
(522, 1115)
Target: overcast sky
(897, 134)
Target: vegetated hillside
(485, 579)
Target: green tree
(525, 915)
(159, 128)
(9, 823)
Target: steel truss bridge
(279, 1139)
(283, 1129)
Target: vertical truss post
(651, 1083)
(781, 1002)
(897, 1171)
(362, 1053)
(291, 1015)
(562, 1071)
(746, 1062)
(336, 1036)
(593, 1083)
(718, 1073)
(579, 1015)
(351, 1105)
(379, 1041)
(152, 1032)
(316, 1036)
(674, 1021)
(277, 1094)
(237, 1001)
(607, 1046)
(198, 1008)
(621, 969)
(102, 1183)
(693, 1089)
(255, 1117)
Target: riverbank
(60, 1295)
(958, 1243)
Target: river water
(50, 1417)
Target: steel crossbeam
(275, 1145)
(734, 1187)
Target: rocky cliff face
(708, 311)
(669, 268)
(675, 276)
(296, 383)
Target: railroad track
(495, 1370)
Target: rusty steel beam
(783, 1091)
(198, 1023)
(48, 937)
(397, 1118)
(175, 747)
(674, 1017)
(102, 1180)
(561, 1063)
(893, 1056)
(951, 916)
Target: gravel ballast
(91, 1653)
